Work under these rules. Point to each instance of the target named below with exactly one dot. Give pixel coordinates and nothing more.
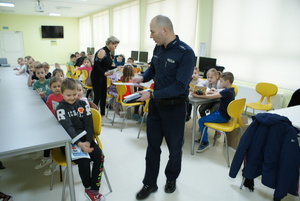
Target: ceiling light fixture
(54, 14)
(7, 4)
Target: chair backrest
(236, 89)
(235, 109)
(97, 125)
(121, 90)
(76, 74)
(266, 90)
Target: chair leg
(125, 116)
(60, 173)
(143, 119)
(215, 138)
(106, 177)
(227, 152)
(112, 123)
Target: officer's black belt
(171, 101)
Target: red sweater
(52, 102)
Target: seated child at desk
(58, 73)
(220, 116)
(56, 96)
(41, 85)
(76, 118)
(212, 83)
(47, 68)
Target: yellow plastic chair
(110, 97)
(121, 89)
(266, 90)
(145, 110)
(236, 89)
(87, 87)
(234, 109)
(59, 158)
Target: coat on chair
(270, 148)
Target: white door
(11, 46)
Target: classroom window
(85, 33)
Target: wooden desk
(195, 102)
(292, 113)
(27, 125)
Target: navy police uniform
(171, 69)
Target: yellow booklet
(197, 89)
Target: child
(57, 65)
(80, 92)
(86, 65)
(127, 76)
(75, 116)
(220, 116)
(71, 63)
(196, 82)
(23, 67)
(41, 85)
(212, 83)
(47, 68)
(31, 71)
(131, 61)
(58, 73)
(56, 96)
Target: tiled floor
(204, 176)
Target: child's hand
(86, 147)
(42, 94)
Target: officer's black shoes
(145, 192)
(170, 186)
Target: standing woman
(103, 63)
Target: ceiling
(67, 8)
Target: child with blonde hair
(196, 81)
(212, 83)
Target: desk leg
(194, 127)
(70, 172)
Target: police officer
(171, 69)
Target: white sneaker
(106, 120)
(49, 170)
(44, 161)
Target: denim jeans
(214, 117)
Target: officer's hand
(145, 95)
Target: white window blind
(100, 29)
(126, 27)
(258, 41)
(183, 15)
(85, 37)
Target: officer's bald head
(163, 21)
